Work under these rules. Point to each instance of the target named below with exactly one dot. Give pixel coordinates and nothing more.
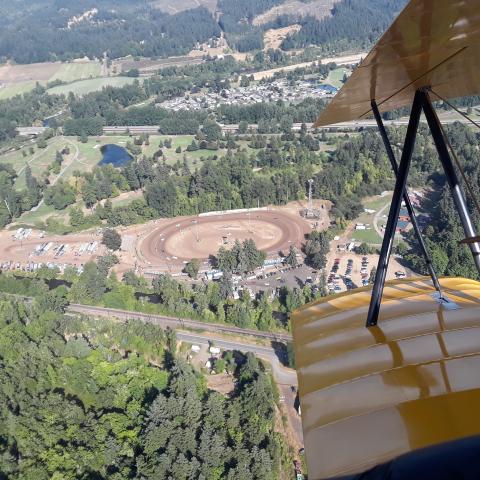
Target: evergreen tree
(112, 239)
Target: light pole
(8, 207)
(195, 222)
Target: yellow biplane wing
(432, 43)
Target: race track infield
(184, 238)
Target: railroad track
(175, 322)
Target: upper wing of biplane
(432, 43)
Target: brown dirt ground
(221, 383)
(212, 51)
(275, 36)
(274, 230)
(316, 8)
(22, 251)
(284, 223)
(184, 244)
(356, 276)
(23, 73)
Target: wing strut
(400, 183)
(421, 102)
(406, 199)
(452, 178)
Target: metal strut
(420, 102)
(398, 192)
(452, 178)
(406, 199)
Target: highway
(445, 118)
(233, 128)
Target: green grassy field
(70, 72)
(89, 155)
(335, 77)
(15, 89)
(41, 214)
(28, 75)
(368, 236)
(38, 162)
(181, 141)
(82, 87)
(371, 236)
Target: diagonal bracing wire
(454, 155)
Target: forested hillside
(39, 30)
(83, 399)
(352, 23)
(118, 28)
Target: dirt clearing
(274, 37)
(296, 8)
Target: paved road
(283, 376)
(353, 125)
(291, 277)
(377, 217)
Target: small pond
(115, 155)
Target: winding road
(286, 378)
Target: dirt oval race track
(185, 238)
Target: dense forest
(82, 398)
(47, 31)
(119, 28)
(353, 24)
(275, 170)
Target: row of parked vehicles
(333, 282)
(22, 234)
(364, 271)
(34, 266)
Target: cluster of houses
(256, 93)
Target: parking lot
(28, 250)
(349, 273)
(347, 270)
(284, 275)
